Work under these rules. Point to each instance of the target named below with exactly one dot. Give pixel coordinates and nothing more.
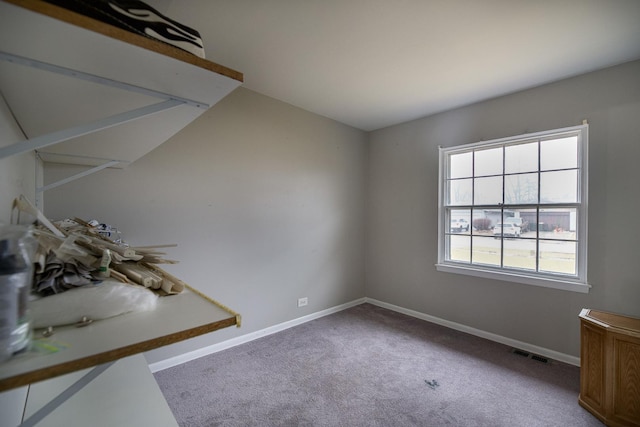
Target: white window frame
(578, 282)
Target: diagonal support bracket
(81, 75)
(77, 176)
(66, 134)
(65, 395)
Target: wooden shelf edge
(100, 358)
(624, 324)
(91, 24)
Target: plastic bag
(17, 249)
(95, 302)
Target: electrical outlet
(303, 301)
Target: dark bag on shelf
(139, 18)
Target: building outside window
(516, 209)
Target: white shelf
(87, 93)
(176, 318)
(105, 402)
(44, 101)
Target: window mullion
(473, 201)
(538, 211)
(502, 208)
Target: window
(516, 209)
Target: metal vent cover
(532, 356)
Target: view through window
(516, 207)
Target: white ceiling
(375, 63)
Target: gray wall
(265, 202)
(269, 203)
(17, 173)
(402, 210)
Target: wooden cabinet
(610, 367)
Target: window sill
(546, 282)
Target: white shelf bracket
(66, 134)
(43, 412)
(81, 75)
(42, 141)
(77, 176)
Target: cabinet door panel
(626, 387)
(592, 370)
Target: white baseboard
(205, 351)
(192, 355)
(572, 360)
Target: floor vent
(530, 355)
(540, 358)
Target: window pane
(521, 189)
(559, 153)
(559, 187)
(486, 251)
(512, 208)
(521, 158)
(520, 253)
(460, 192)
(460, 165)
(558, 224)
(558, 257)
(488, 191)
(488, 162)
(494, 216)
(482, 223)
(523, 218)
(460, 221)
(459, 248)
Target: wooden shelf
(44, 102)
(176, 318)
(81, 21)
